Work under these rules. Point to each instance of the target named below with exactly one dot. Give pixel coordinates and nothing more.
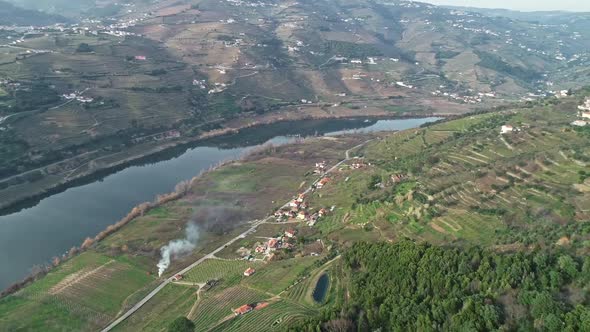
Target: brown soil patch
(77, 277)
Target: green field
(230, 271)
(173, 301)
(276, 317)
(218, 305)
(85, 293)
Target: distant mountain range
(13, 15)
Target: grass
(219, 305)
(83, 293)
(275, 317)
(172, 302)
(229, 271)
(277, 276)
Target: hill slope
(13, 15)
(151, 67)
(509, 211)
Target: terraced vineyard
(156, 315)
(82, 294)
(274, 317)
(277, 276)
(464, 181)
(217, 306)
(229, 270)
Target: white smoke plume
(177, 248)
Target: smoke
(177, 248)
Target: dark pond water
(321, 288)
(48, 227)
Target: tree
(84, 48)
(181, 324)
(569, 266)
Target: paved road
(212, 254)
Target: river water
(51, 226)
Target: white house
(579, 123)
(585, 107)
(506, 129)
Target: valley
(124, 83)
(293, 165)
(390, 188)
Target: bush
(181, 324)
(84, 48)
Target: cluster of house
(167, 135)
(320, 168)
(299, 209)
(254, 4)
(468, 99)
(219, 87)
(583, 114)
(273, 244)
(78, 97)
(202, 84)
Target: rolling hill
(451, 226)
(113, 81)
(14, 15)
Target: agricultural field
(462, 181)
(173, 301)
(85, 293)
(228, 271)
(275, 317)
(217, 306)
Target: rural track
(212, 254)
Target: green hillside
(453, 226)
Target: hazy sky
(527, 5)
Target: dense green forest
(418, 287)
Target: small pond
(321, 288)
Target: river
(50, 226)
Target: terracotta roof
(243, 309)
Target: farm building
(249, 271)
(290, 233)
(322, 183)
(246, 308)
(177, 277)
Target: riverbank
(237, 194)
(55, 224)
(80, 170)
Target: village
(583, 114)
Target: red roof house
(250, 271)
(246, 308)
